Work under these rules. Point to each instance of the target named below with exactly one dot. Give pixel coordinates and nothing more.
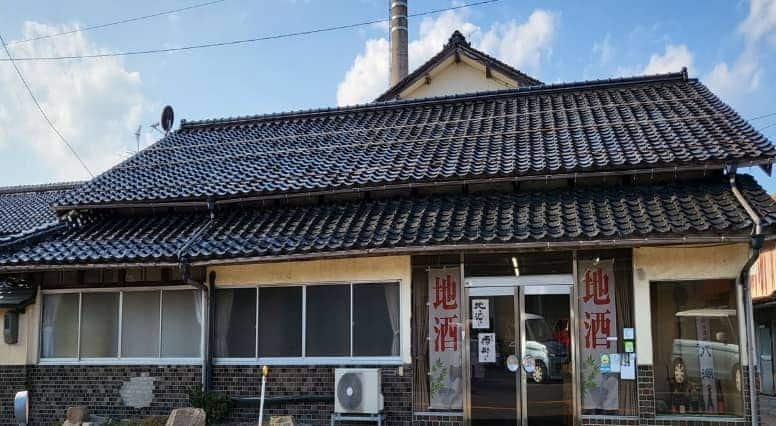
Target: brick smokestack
(398, 35)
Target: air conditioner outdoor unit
(358, 390)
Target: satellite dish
(168, 117)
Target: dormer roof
(456, 50)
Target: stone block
(187, 417)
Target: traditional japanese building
(543, 254)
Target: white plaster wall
(25, 351)
(385, 268)
(679, 263)
(455, 79)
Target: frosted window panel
(99, 325)
(280, 321)
(181, 324)
(328, 320)
(376, 320)
(235, 334)
(59, 330)
(140, 324)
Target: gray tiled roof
(26, 209)
(625, 124)
(584, 214)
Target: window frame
(741, 342)
(119, 360)
(317, 360)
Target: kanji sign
(598, 330)
(486, 347)
(445, 326)
(480, 313)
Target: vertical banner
(598, 323)
(706, 365)
(444, 321)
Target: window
(99, 325)
(235, 334)
(308, 321)
(140, 324)
(376, 319)
(60, 320)
(122, 325)
(696, 348)
(181, 319)
(280, 305)
(328, 320)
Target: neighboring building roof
(676, 210)
(458, 46)
(609, 125)
(27, 209)
(16, 293)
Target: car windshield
(537, 330)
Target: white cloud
(604, 50)
(96, 104)
(523, 46)
(732, 82)
(367, 76)
(761, 21)
(672, 60)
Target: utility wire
(766, 127)
(243, 41)
(42, 111)
(119, 22)
(762, 116)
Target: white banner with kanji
(597, 334)
(444, 320)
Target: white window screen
(140, 324)
(99, 325)
(181, 324)
(59, 333)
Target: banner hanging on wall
(597, 334)
(444, 321)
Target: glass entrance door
(546, 350)
(493, 396)
(520, 355)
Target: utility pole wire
(122, 21)
(243, 41)
(42, 111)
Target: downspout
(755, 244)
(185, 268)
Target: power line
(766, 127)
(119, 22)
(42, 111)
(762, 116)
(243, 41)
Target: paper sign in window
(480, 313)
(486, 347)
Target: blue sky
(99, 103)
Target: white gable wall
(451, 78)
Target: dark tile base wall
(12, 379)
(54, 388)
(319, 380)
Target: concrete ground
(768, 410)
